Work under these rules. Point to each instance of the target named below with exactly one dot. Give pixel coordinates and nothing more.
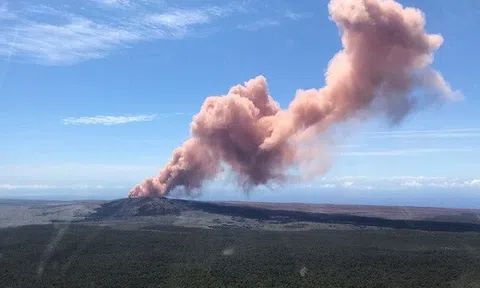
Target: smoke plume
(386, 55)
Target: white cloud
(396, 182)
(181, 18)
(108, 120)
(443, 184)
(475, 183)
(78, 40)
(297, 16)
(393, 183)
(64, 38)
(178, 23)
(114, 3)
(414, 184)
(260, 24)
(348, 184)
(406, 152)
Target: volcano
(432, 219)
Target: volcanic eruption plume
(386, 55)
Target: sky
(95, 95)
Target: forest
(75, 255)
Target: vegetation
(164, 256)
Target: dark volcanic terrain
(259, 215)
(134, 212)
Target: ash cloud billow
(386, 56)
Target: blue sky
(97, 93)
